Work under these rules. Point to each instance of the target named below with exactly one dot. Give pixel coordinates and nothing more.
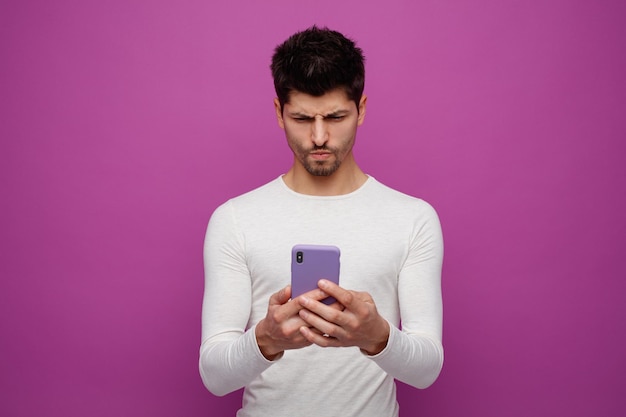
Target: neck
(348, 178)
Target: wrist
(380, 344)
(264, 342)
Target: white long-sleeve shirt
(391, 246)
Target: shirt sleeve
(414, 355)
(229, 354)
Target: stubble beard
(321, 168)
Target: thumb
(281, 297)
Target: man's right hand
(280, 329)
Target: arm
(229, 355)
(413, 355)
(232, 355)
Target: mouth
(320, 155)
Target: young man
(299, 356)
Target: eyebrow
(337, 113)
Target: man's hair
(317, 61)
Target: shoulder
(264, 192)
(396, 200)
(248, 203)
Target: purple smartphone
(309, 264)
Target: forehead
(333, 101)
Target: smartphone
(309, 264)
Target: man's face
(320, 130)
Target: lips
(320, 155)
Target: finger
(281, 297)
(328, 312)
(290, 307)
(314, 295)
(281, 308)
(317, 322)
(337, 306)
(343, 296)
(312, 336)
(333, 313)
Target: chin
(322, 171)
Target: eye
(336, 118)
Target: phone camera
(299, 257)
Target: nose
(319, 131)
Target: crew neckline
(283, 185)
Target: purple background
(125, 123)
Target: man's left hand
(357, 324)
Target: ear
(362, 107)
(279, 113)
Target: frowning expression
(320, 130)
